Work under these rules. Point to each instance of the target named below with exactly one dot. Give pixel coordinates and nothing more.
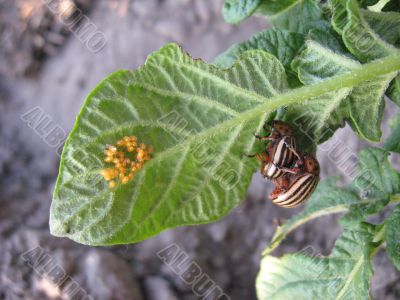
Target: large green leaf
(284, 45)
(345, 274)
(373, 185)
(392, 236)
(186, 182)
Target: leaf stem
(379, 235)
(378, 240)
(378, 6)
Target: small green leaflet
(345, 274)
(235, 11)
(283, 44)
(301, 17)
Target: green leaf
(339, 12)
(345, 274)
(392, 236)
(273, 7)
(376, 174)
(327, 199)
(361, 39)
(235, 11)
(374, 183)
(365, 102)
(328, 38)
(284, 45)
(300, 17)
(186, 182)
(393, 142)
(385, 24)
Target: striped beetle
(279, 153)
(298, 183)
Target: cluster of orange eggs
(128, 157)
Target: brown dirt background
(42, 64)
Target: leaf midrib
(356, 76)
(350, 278)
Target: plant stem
(363, 73)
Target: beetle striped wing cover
(299, 191)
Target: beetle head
(282, 128)
(311, 164)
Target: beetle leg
(279, 188)
(263, 138)
(290, 147)
(285, 183)
(296, 154)
(291, 170)
(275, 193)
(263, 157)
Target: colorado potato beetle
(279, 153)
(298, 183)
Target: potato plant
(319, 65)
